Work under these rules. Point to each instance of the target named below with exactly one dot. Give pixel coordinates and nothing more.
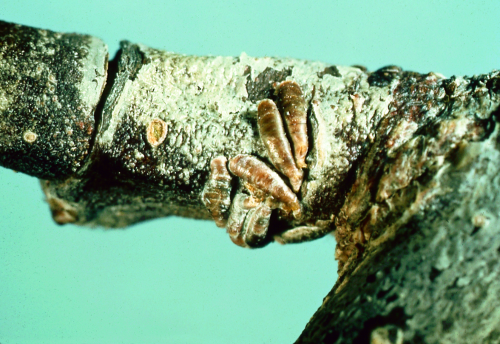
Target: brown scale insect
(247, 226)
(217, 191)
(256, 224)
(292, 105)
(238, 214)
(274, 137)
(258, 174)
(262, 189)
(301, 234)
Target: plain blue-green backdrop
(182, 281)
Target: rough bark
(431, 274)
(50, 84)
(402, 167)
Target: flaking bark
(402, 166)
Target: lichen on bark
(419, 242)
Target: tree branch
(401, 166)
(419, 242)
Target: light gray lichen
(209, 106)
(433, 269)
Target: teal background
(182, 281)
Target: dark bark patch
(384, 76)
(262, 86)
(434, 274)
(332, 70)
(46, 129)
(397, 317)
(370, 278)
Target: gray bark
(431, 273)
(402, 167)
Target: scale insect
(261, 188)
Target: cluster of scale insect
(283, 130)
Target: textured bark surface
(419, 241)
(50, 84)
(401, 166)
(207, 107)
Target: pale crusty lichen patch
(5, 99)
(209, 105)
(94, 70)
